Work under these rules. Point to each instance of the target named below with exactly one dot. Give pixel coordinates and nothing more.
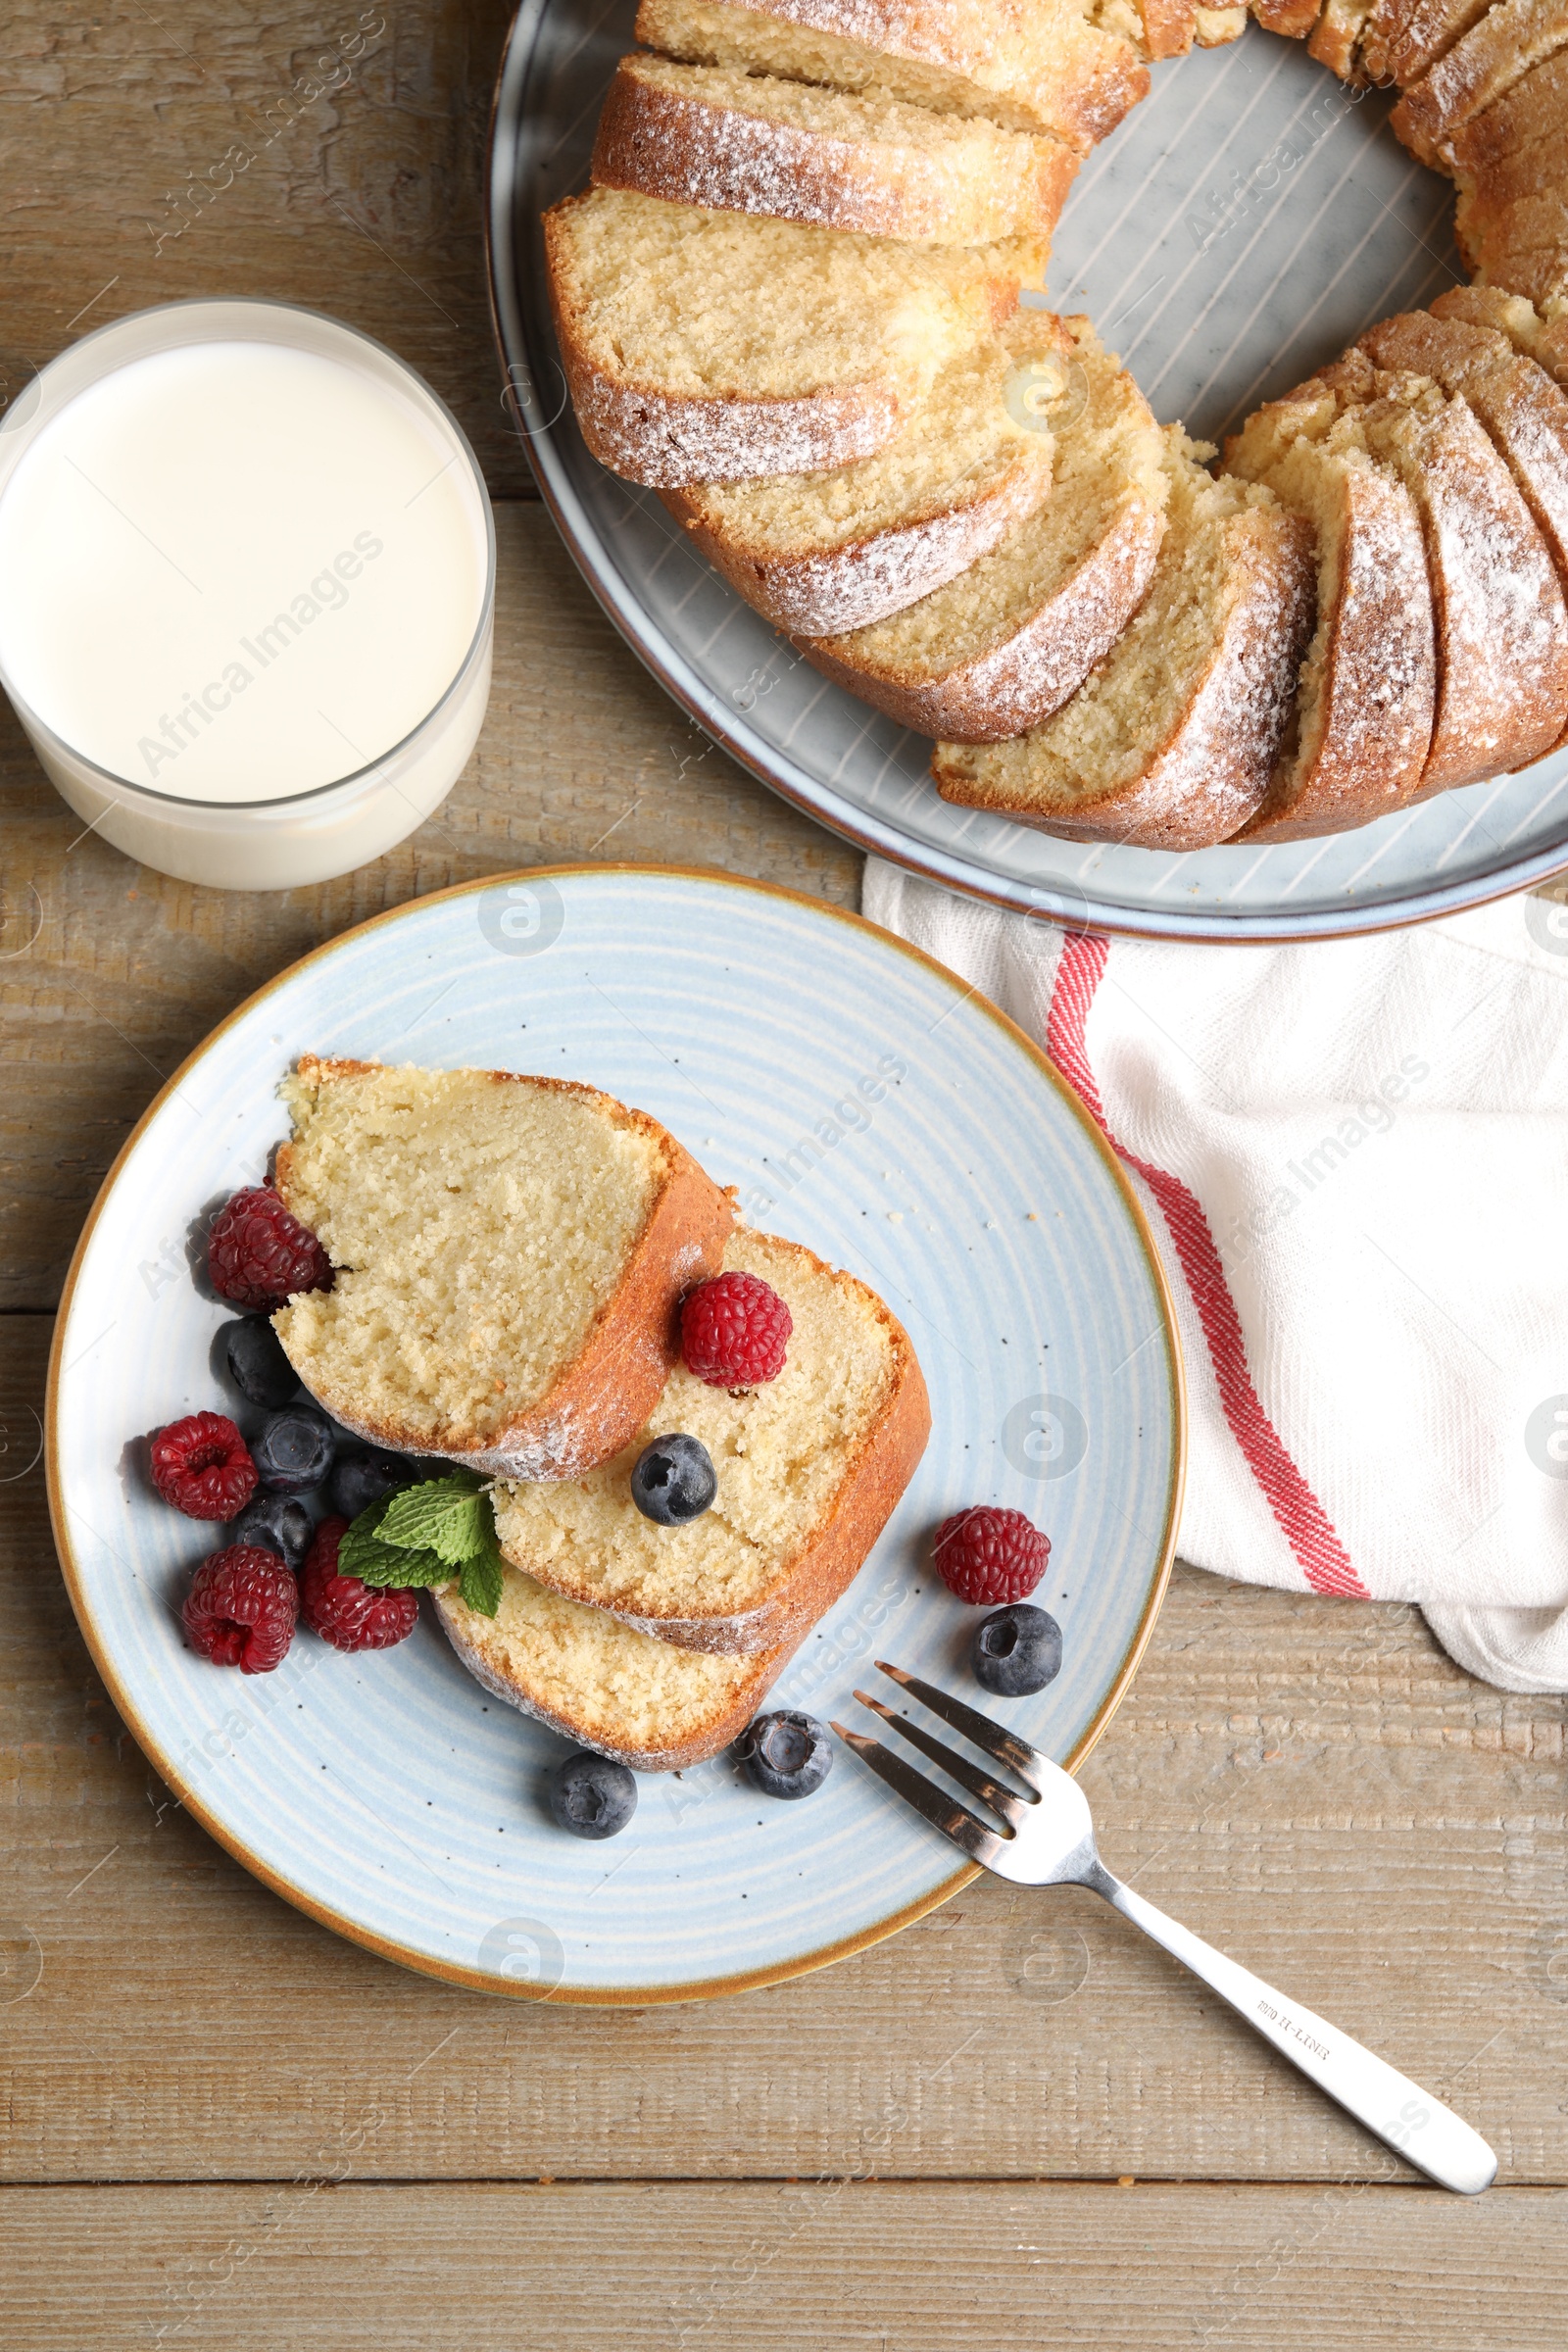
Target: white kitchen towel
(1355, 1159)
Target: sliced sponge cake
(509, 1255)
(645, 1702)
(1170, 743)
(810, 1466)
(753, 143)
(1502, 633)
(714, 346)
(1522, 409)
(820, 552)
(1362, 726)
(996, 650)
(1029, 64)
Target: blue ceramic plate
(863, 1102)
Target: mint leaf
(420, 1535)
(391, 1564)
(480, 1582)
(363, 1552)
(448, 1516)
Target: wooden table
(1013, 2125)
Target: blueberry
(295, 1449)
(363, 1474)
(674, 1481)
(786, 1754)
(277, 1523)
(591, 1796)
(256, 1365)
(1017, 1649)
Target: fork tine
(1012, 1807)
(954, 1820)
(1005, 1746)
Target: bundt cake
(1171, 741)
(1500, 629)
(1027, 65)
(819, 552)
(1403, 38)
(753, 143)
(1005, 643)
(1362, 727)
(1524, 412)
(702, 345)
(1482, 65)
(788, 301)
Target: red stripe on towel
(1306, 1525)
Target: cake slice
(509, 1255)
(1538, 336)
(1404, 37)
(707, 346)
(1510, 165)
(1170, 744)
(1498, 50)
(1028, 65)
(600, 1683)
(1523, 410)
(1293, 19)
(1362, 725)
(1153, 28)
(822, 552)
(753, 143)
(810, 1466)
(1502, 633)
(1338, 35)
(1005, 644)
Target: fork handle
(1398, 2111)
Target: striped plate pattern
(863, 1103)
(1237, 230)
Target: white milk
(236, 573)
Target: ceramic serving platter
(863, 1103)
(1237, 229)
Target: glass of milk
(247, 590)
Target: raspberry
(988, 1555)
(733, 1330)
(258, 1254)
(241, 1608)
(202, 1465)
(345, 1612)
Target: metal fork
(1048, 1841)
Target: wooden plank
(163, 152)
(1308, 1782)
(821, 2268)
(110, 975)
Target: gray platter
(1243, 224)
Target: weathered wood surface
(110, 975)
(156, 151)
(1308, 1782)
(857, 2268)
